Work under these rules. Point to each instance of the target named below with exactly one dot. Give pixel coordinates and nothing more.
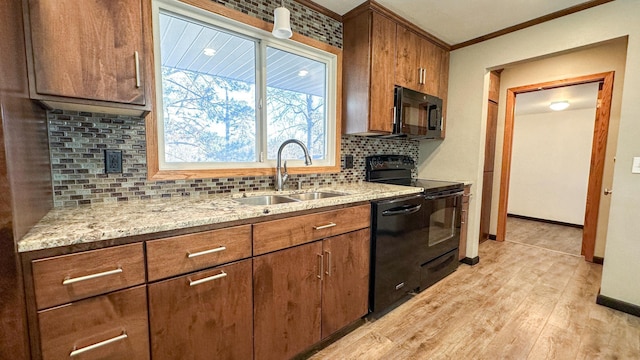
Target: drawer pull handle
(329, 225)
(97, 345)
(207, 279)
(206, 252)
(69, 281)
(137, 60)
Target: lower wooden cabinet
(345, 291)
(306, 293)
(112, 326)
(204, 315)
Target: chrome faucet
(280, 177)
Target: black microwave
(417, 115)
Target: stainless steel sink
(265, 200)
(314, 195)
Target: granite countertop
(90, 223)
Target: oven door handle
(402, 210)
(436, 197)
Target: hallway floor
(560, 238)
(519, 302)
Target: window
(229, 94)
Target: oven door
(443, 218)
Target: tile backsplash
(77, 142)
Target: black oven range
(414, 239)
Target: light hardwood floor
(561, 238)
(519, 302)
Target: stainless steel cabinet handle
(320, 265)
(97, 345)
(607, 191)
(328, 270)
(419, 75)
(423, 78)
(68, 281)
(207, 279)
(206, 252)
(329, 225)
(137, 60)
(464, 215)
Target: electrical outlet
(348, 161)
(113, 161)
(635, 168)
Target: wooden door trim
(601, 130)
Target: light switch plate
(635, 169)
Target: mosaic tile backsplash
(77, 142)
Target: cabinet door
(112, 326)
(87, 49)
(346, 280)
(205, 315)
(382, 73)
(408, 67)
(430, 59)
(287, 294)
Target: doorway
(598, 149)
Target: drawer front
(67, 278)
(204, 315)
(279, 234)
(112, 326)
(183, 254)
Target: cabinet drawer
(66, 278)
(182, 254)
(112, 326)
(279, 234)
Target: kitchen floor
(566, 239)
(519, 302)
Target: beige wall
(550, 164)
(609, 56)
(461, 155)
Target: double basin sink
(282, 199)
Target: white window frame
(264, 39)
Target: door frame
(598, 151)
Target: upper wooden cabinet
(382, 50)
(368, 73)
(89, 53)
(418, 62)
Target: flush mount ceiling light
(282, 22)
(209, 51)
(303, 73)
(559, 105)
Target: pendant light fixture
(282, 22)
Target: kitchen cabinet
(462, 248)
(368, 73)
(489, 154)
(90, 53)
(418, 62)
(306, 293)
(382, 50)
(112, 326)
(203, 315)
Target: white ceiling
(583, 96)
(456, 21)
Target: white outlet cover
(635, 169)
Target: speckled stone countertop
(90, 223)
